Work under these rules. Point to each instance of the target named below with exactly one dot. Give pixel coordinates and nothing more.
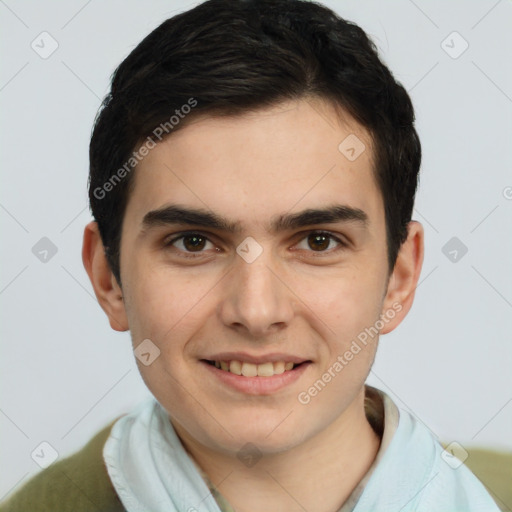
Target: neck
(301, 478)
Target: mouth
(256, 374)
(246, 369)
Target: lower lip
(258, 385)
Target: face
(269, 286)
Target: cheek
(350, 299)
(350, 307)
(351, 312)
(164, 306)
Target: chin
(268, 434)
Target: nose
(257, 302)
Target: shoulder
(445, 484)
(78, 483)
(494, 469)
(455, 486)
(414, 475)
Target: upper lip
(256, 359)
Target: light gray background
(65, 373)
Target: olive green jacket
(78, 483)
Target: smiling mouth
(254, 370)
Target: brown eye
(189, 244)
(321, 242)
(194, 242)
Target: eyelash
(192, 255)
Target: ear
(106, 287)
(404, 278)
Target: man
(252, 178)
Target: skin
(295, 298)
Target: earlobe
(106, 288)
(404, 278)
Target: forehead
(251, 167)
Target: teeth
(236, 367)
(265, 370)
(252, 370)
(279, 368)
(249, 370)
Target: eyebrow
(182, 215)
